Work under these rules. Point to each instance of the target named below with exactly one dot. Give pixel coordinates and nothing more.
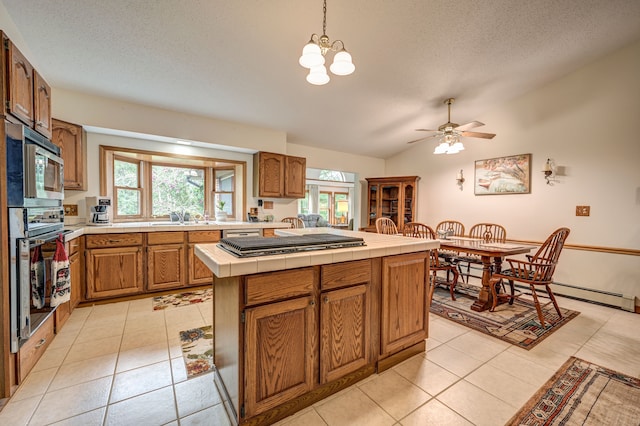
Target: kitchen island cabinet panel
(280, 353)
(404, 308)
(264, 288)
(113, 272)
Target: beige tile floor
(120, 364)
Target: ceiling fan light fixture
(442, 148)
(318, 75)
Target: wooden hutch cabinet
(393, 197)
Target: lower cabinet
(404, 307)
(116, 269)
(32, 350)
(166, 262)
(280, 354)
(199, 273)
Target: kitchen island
(293, 329)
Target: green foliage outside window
(177, 189)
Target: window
(303, 203)
(126, 186)
(148, 185)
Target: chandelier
(315, 50)
(449, 143)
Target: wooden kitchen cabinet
(114, 265)
(28, 96)
(345, 316)
(404, 308)
(198, 273)
(166, 261)
(71, 140)
(279, 175)
(395, 198)
(76, 275)
(34, 348)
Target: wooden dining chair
(384, 225)
(295, 222)
(487, 232)
(420, 230)
(536, 272)
(456, 228)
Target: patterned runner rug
(517, 324)
(197, 350)
(182, 299)
(582, 393)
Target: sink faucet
(180, 215)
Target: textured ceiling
(237, 59)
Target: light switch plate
(583, 210)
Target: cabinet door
(42, 105)
(404, 316)
(295, 177)
(69, 137)
(199, 273)
(165, 266)
(408, 203)
(271, 174)
(77, 278)
(112, 272)
(389, 200)
(20, 91)
(344, 332)
(373, 204)
(279, 353)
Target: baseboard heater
(600, 297)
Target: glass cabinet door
(408, 203)
(373, 204)
(389, 202)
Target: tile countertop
(78, 230)
(223, 264)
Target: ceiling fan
(449, 133)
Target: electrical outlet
(70, 209)
(583, 210)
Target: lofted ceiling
(238, 59)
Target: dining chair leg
(452, 286)
(553, 299)
(432, 287)
(537, 303)
(513, 292)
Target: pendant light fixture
(316, 49)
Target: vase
(221, 216)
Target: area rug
(517, 324)
(582, 393)
(197, 350)
(182, 299)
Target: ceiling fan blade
(478, 135)
(469, 125)
(424, 138)
(426, 130)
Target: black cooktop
(264, 246)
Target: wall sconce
(460, 179)
(548, 171)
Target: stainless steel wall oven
(35, 192)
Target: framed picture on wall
(503, 175)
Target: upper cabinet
(28, 96)
(279, 175)
(392, 197)
(70, 138)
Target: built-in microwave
(35, 171)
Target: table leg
(484, 297)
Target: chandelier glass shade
(314, 52)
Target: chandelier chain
(324, 19)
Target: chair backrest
(488, 232)
(549, 252)
(295, 222)
(418, 230)
(454, 225)
(384, 225)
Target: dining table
(490, 252)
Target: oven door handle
(45, 238)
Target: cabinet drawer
(113, 240)
(33, 349)
(345, 274)
(154, 238)
(204, 236)
(74, 246)
(275, 286)
(268, 232)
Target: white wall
(588, 123)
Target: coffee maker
(98, 210)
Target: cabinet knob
(41, 342)
(312, 302)
(326, 299)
